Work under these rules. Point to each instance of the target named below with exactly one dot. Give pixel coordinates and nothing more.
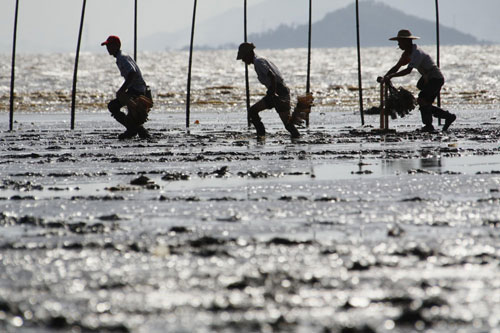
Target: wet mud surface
(343, 230)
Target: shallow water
(343, 230)
(44, 82)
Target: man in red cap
(278, 94)
(133, 87)
(429, 84)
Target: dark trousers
(429, 90)
(281, 103)
(115, 108)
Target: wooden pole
(359, 66)
(13, 69)
(438, 52)
(382, 104)
(386, 114)
(75, 72)
(247, 84)
(135, 31)
(308, 84)
(188, 98)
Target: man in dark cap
(429, 84)
(277, 96)
(133, 87)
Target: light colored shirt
(424, 64)
(263, 67)
(126, 65)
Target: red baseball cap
(112, 40)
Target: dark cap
(244, 48)
(112, 40)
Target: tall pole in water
(359, 67)
(135, 31)
(188, 98)
(75, 72)
(247, 85)
(308, 83)
(438, 52)
(13, 70)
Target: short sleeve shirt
(424, 64)
(263, 67)
(126, 65)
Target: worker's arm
(130, 77)
(404, 72)
(395, 72)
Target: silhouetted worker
(133, 87)
(429, 84)
(277, 96)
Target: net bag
(400, 102)
(138, 109)
(302, 109)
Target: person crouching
(129, 93)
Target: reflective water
(231, 234)
(344, 230)
(43, 82)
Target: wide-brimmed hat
(244, 48)
(112, 40)
(404, 34)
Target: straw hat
(404, 34)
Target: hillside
(378, 22)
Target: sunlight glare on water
(43, 82)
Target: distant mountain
(378, 22)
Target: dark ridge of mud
(20, 197)
(74, 227)
(97, 198)
(175, 176)
(20, 186)
(191, 198)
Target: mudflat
(212, 230)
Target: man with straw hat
(429, 84)
(133, 93)
(277, 96)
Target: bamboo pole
(13, 70)
(188, 98)
(247, 84)
(308, 83)
(75, 72)
(382, 104)
(438, 52)
(135, 31)
(359, 66)
(386, 114)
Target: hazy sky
(52, 25)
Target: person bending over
(429, 84)
(277, 96)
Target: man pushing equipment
(429, 84)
